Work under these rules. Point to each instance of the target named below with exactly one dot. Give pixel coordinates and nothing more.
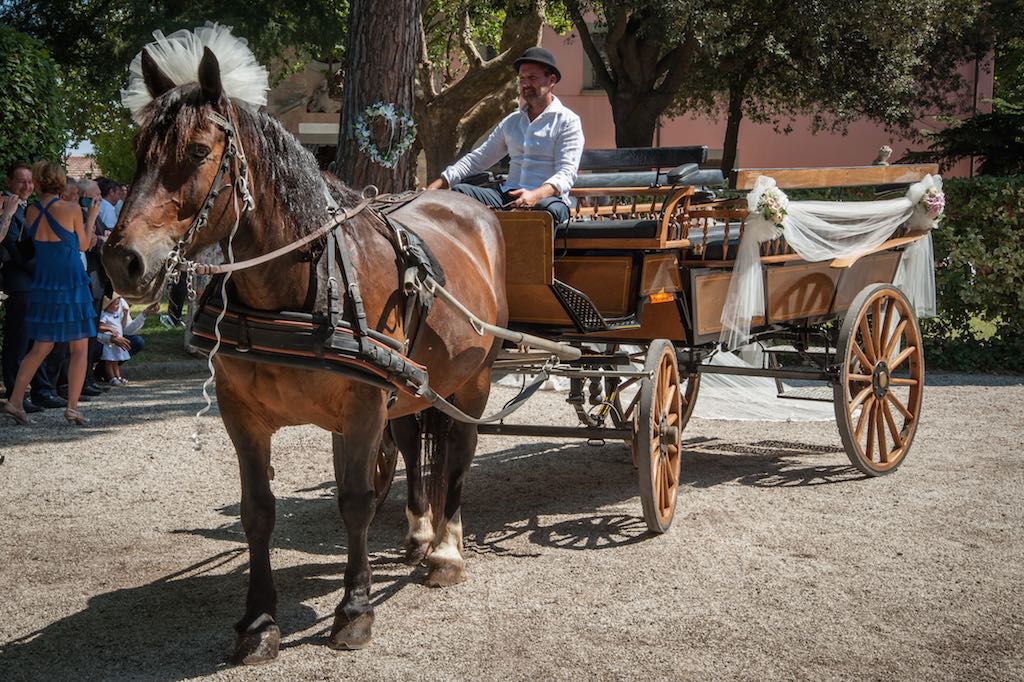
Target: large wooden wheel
(659, 427)
(384, 468)
(878, 391)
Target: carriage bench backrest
(839, 176)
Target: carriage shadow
(510, 494)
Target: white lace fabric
(825, 230)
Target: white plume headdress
(178, 55)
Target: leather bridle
(231, 155)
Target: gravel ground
(121, 555)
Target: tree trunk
(455, 116)
(383, 44)
(732, 126)
(635, 118)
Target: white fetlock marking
(421, 529)
(450, 546)
(262, 620)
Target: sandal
(75, 417)
(15, 414)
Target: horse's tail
(435, 432)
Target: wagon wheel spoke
(864, 362)
(902, 357)
(672, 419)
(897, 439)
(899, 406)
(859, 378)
(867, 407)
(865, 334)
(869, 450)
(890, 308)
(860, 397)
(628, 413)
(876, 322)
(670, 397)
(899, 381)
(883, 446)
(895, 338)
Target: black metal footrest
(584, 314)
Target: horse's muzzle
(129, 272)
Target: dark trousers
(496, 199)
(16, 344)
(176, 296)
(99, 371)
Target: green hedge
(979, 278)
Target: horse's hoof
(415, 553)
(444, 573)
(254, 648)
(354, 634)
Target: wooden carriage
(646, 261)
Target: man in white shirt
(109, 190)
(544, 142)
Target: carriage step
(584, 314)
(822, 394)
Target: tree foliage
(95, 40)
(649, 46)
(32, 123)
(465, 78)
(770, 60)
(1007, 28)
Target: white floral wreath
(396, 118)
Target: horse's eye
(198, 151)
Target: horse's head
(181, 199)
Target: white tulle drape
(178, 55)
(824, 230)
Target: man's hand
(152, 309)
(525, 198)
(440, 183)
(94, 210)
(10, 205)
(121, 342)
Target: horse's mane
(290, 169)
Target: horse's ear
(156, 81)
(209, 76)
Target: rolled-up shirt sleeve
(568, 151)
(493, 150)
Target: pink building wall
(759, 145)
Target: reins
(335, 221)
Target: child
(113, 321)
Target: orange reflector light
(661, 297)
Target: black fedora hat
(538, 55)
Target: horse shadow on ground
(178, 626)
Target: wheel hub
(667, 435)
(880, 380)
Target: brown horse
(178, 149)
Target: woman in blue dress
(60, 304)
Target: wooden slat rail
(884, 246)
(839, 176)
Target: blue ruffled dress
(60, 304)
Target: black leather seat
(609, 229)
